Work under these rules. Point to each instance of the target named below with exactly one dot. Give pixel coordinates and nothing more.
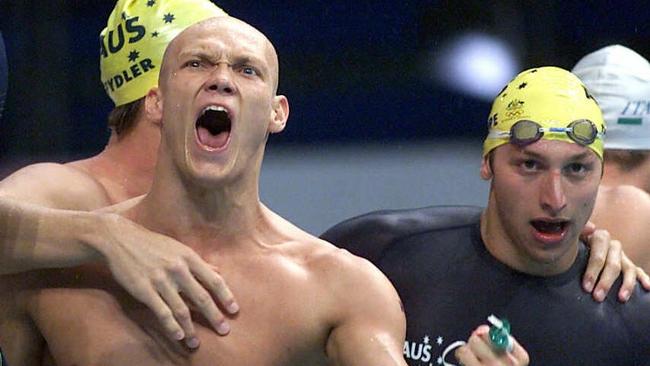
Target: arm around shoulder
(39, 224)
(53, 230)
(34, 237)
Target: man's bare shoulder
(613, 194)
(623, 203)
(624, 190)
(359, 300)
(339, 263)
(55, 185)
(346, 277)
(624, 211)
(336, 269)
(317, 253)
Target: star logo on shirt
(168, 18)
(133, 55)
(154, 34)
(523, 85)
(439, 341)
(151, 3)
(426, 339)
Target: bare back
(625, 212)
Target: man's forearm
(34, 237)
(143, 262)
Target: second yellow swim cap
(549, 96)
(135, 38)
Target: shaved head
(224, 27)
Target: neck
(126, 165)
(614, 176)
(207, 216)
(135, 157)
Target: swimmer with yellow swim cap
(315, 305)
(132, 47)
(520, 259)
(543, 156)
(152, 268)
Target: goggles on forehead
(525, 132)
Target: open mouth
(550, 227)
(213, 127)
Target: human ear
(279, 114)
(486, 169)
(153, 105)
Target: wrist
(94, 229)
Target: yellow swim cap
(135, 38)
(551, 97)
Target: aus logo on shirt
(430, 354)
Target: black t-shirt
(450, 284)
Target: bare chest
(87, 320)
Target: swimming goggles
(525, 132)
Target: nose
(221, 80)
(552, 197)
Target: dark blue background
(352, 69)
